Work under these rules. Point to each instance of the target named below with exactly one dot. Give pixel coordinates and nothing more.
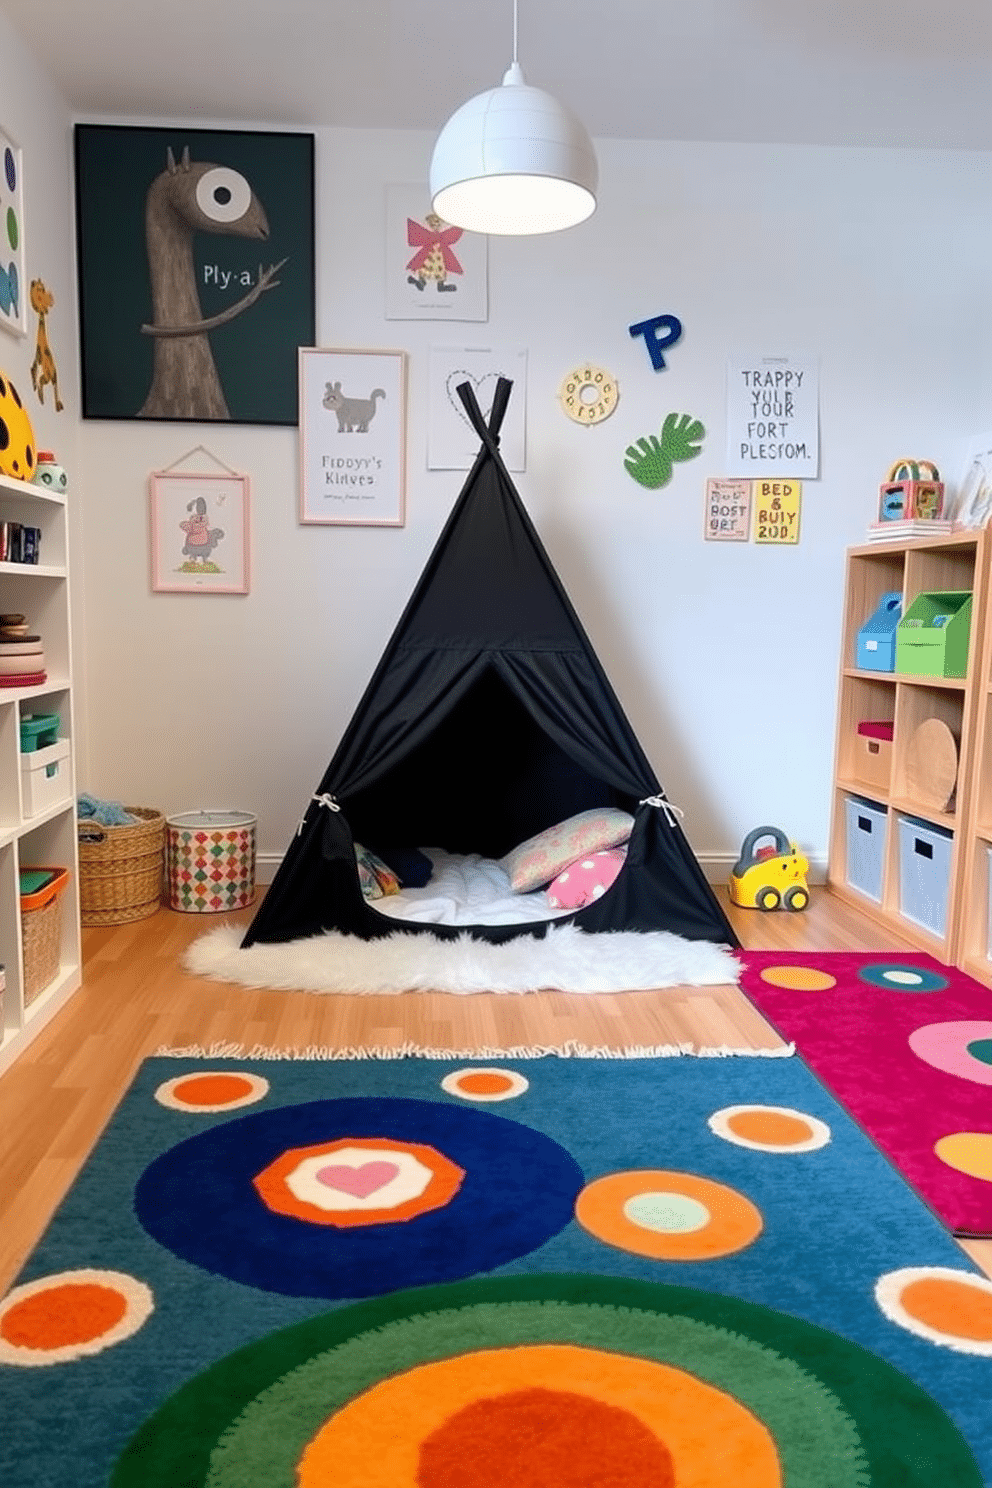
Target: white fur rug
(566, 959)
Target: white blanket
(467, 890)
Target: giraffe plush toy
(43, 369)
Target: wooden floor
(135, 999)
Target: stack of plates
(22, 656)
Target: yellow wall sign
(777, 505)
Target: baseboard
(718, 866)
(715, 866)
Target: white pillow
(541, 858)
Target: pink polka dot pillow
(540, 859)
(586, 879)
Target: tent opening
(487, 778)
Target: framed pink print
(200, 533)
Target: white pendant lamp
(513, 161)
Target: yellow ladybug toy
(772, 876)
(18, 454)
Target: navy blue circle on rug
(902, 976)
(200, 1199)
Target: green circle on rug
(667, 1213)
(981, 1049)
(901, 976)
(838, 1414)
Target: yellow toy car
(772, 876)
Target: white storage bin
(924, 873)
(45, 777)
(866, 828)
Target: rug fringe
(569, 1050)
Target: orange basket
(41, 932)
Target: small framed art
(13, 313)
(353, 437)
(200, 537)
(433, 271)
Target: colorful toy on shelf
(49, 473)
(17, 447)
(772, 876)
(932, 636)
(913, 489)
(876, 650)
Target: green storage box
(932, 636)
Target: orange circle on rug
(485, 1084)
(377, 1439)
(967, 1152)
(771, 1128)
(778, 1129)
(212, 1090)
(956, 1310)
(798, 978)
(945, 1306)
(532, 1434)
(668, 1216)
(61, 1316)
(69, 1315)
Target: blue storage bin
(924, 873)
(877, 637)
(866, 826)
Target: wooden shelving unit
(35, 833)
(974, 950)
(953, 562)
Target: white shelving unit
(48, 838)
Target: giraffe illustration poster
(433, 271)
(196, 272)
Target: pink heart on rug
(359, 1182)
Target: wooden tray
(932, 764)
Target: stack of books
(901, 528)
(22, 655)
(19, 543)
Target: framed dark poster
(196, 272)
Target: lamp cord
(514, 30)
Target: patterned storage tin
(210, 861)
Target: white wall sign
(433, 271)
(773, 416)
(452, 443)
(728, 510)
(352, 436)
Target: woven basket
(41, 942)
(120, 869)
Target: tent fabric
(487, 719)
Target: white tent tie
(322, 800)
(672, 812)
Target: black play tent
(487, 720)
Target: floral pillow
(586, 879)
(375, 878)
(540, 859)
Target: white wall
(725, 655)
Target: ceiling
(846, 72)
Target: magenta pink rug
(906, 1045)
